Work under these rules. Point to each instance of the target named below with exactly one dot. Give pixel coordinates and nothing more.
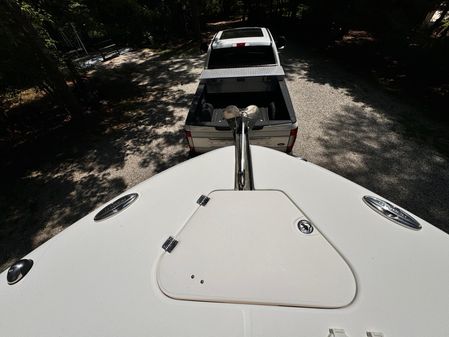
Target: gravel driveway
(346, 125)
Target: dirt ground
(346, 124)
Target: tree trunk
(440, 19)
(225, 9)
(426, 23)
(56, 80)
(196, 19)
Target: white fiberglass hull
(101, 278)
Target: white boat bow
(241, 266)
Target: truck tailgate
(209, 138)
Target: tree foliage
(28, 41)
(133, 22)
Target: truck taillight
(190, 140)
(291, 140)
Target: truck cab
(242, 47)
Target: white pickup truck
(242, 68)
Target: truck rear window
(241, 32)
(241, 57)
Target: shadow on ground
(389, 146)
(133, 132)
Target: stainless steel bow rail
(241, 123)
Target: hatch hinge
(203, 200)
(169, 244)
(337, 333)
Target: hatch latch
(169, 244)
(203, 200)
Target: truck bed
(276, 126)
(208, 108)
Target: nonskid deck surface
(101, 278)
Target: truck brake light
(190, 141)
(240, 44)
(292, 139)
